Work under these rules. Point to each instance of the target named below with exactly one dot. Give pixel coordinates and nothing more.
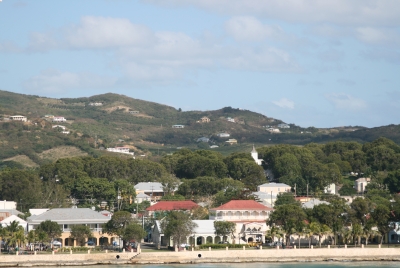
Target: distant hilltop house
(48, 116)
(203, 139)
(122, 150)
(223, 135)
(231, 141)
(273, 130)
(59, 126)
(205, 119)
(214, 146)
(59, 119)
(95, 104)
(133, 112)
(283, 126)
(254, 154)
(178, 126)
(230, 119)
(18, 118)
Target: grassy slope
(150, 131)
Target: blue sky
(312, 63)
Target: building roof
(242, 205)
(274, 184)
(142, 195)
(173, 205)
(314, 202)
(12, 218)
(149, 187)
(37, 211)
(70, 215)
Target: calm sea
(262, 265)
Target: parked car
(275, 244)
(90, 243)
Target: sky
(325, 63)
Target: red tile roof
(242, 205)
(173, 205)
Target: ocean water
(259, 265)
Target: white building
(18, 118)
(59, 126)
(223, 135)
(122, 150)
(254, 154)
(250, 218)
(330, 189)
(4, 204)
(360, 184)
(59, 119)
(96, 104)
(230, 119)
(178, 126)
(273, 130)
(274, 188)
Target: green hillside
(146, 127)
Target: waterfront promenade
(205, 256)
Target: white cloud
(141, 54)
(284, 103)
(250, 29)
(344, 101)
(54, 81)
(341, 12)
(378, 36)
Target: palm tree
(309, 234)
(13, 231)
(2, 235)
(357, 232)
(320, 230)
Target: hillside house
(95, 104)
(231, 141)
(178, 126)
(67, 217)
(230, 119)
(153, 189)
(274, 188)
(134, 112)
(250, 218)
(360, 184)
(18, 118)
(205, 119)
(223, 135)
(273, 130)
(59, 119)
(122, 150)
(59, 126)
(203, 139)
(283, 125)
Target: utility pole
(307, 189)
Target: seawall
(204, 256)
(270, 255)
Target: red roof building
(172, 205)
(250, 218)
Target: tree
(225, 228)
(133, 231)
(290, 216)
(123, 225)
(80, 233)
(320, 230)
(381, 217)
(50, 228)
(177, 225)
(285, 198)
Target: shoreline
(207, 256)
